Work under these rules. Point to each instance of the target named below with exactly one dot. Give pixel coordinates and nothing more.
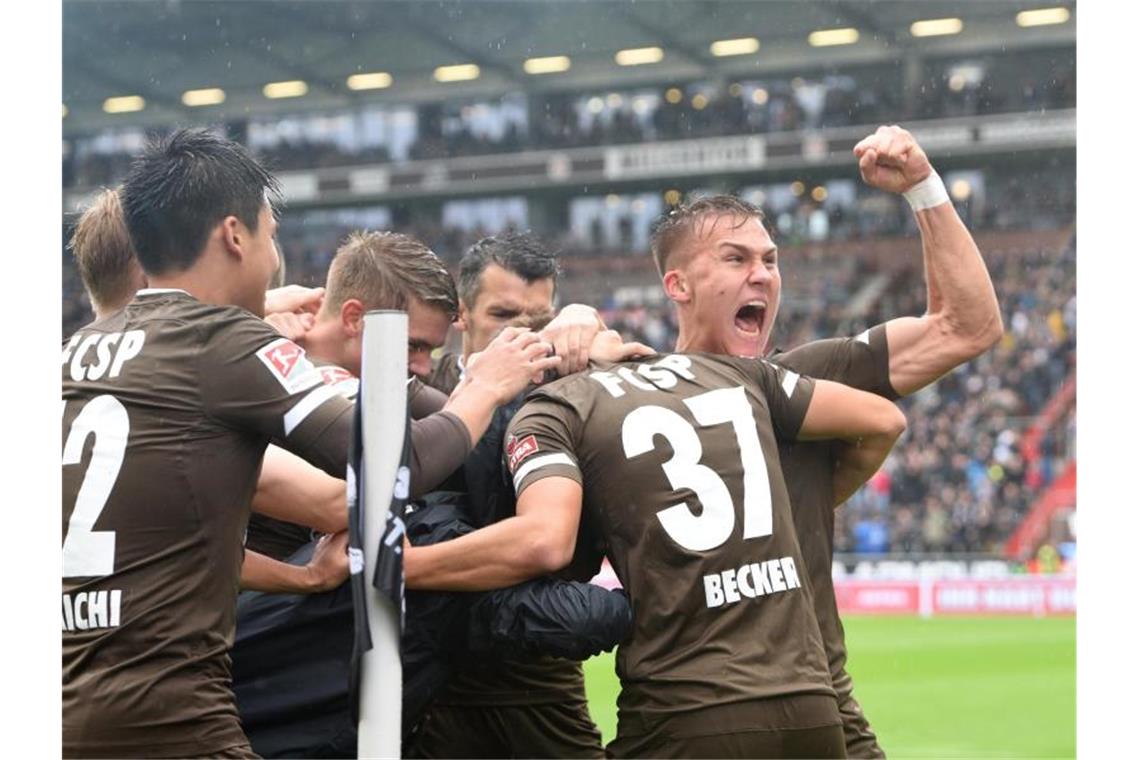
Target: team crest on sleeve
(519, 449)
(340, 379)
(287, 362)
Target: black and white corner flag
(388, 577)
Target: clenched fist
(892, 160)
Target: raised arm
(962, 317)
(868, 424)
(539, 539)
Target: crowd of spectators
(778, 104)
(297, 154)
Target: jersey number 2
(86, 551)
(714, 525)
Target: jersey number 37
(717, 519)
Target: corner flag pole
(384, 390)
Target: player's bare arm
(869, 425)
(291, 489)
(496, 375)
(962, 317)
(325, 571)
(539, 539)
(856, 463)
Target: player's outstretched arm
(325, 571)
(962, 317)
(291, 489)
(539, 539)
(496, 375)
(869, 424)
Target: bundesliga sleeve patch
(519, 449)
(340, 379)
(287, 362)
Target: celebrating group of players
(708, 476)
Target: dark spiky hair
(518, 252)
(181, 187)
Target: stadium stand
(989, 447)
(1042, 80)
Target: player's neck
(210, 279)
(691, 341)
(324, 342)
(205, 289)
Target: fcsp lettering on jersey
(92, 609)
(112, 351)
(661, 375)
(750, 581)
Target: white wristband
(928, 193)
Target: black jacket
(292, 654)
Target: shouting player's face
(727, 287)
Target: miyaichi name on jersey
(750, 581)
(92, 609)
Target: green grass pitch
(944, 687)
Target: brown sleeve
(423, 399)
(789, 395)
(541, 442)
(444, 374)
(253, 379)
(862, 362)
(440, 443)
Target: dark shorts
(805, 725)
(544, 730)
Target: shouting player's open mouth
(750, 318)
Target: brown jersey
(862, 362)
(279, 539)
(677, 456)
(167, 409)
(446, 372)
(540, 680)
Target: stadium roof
(159, 50)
